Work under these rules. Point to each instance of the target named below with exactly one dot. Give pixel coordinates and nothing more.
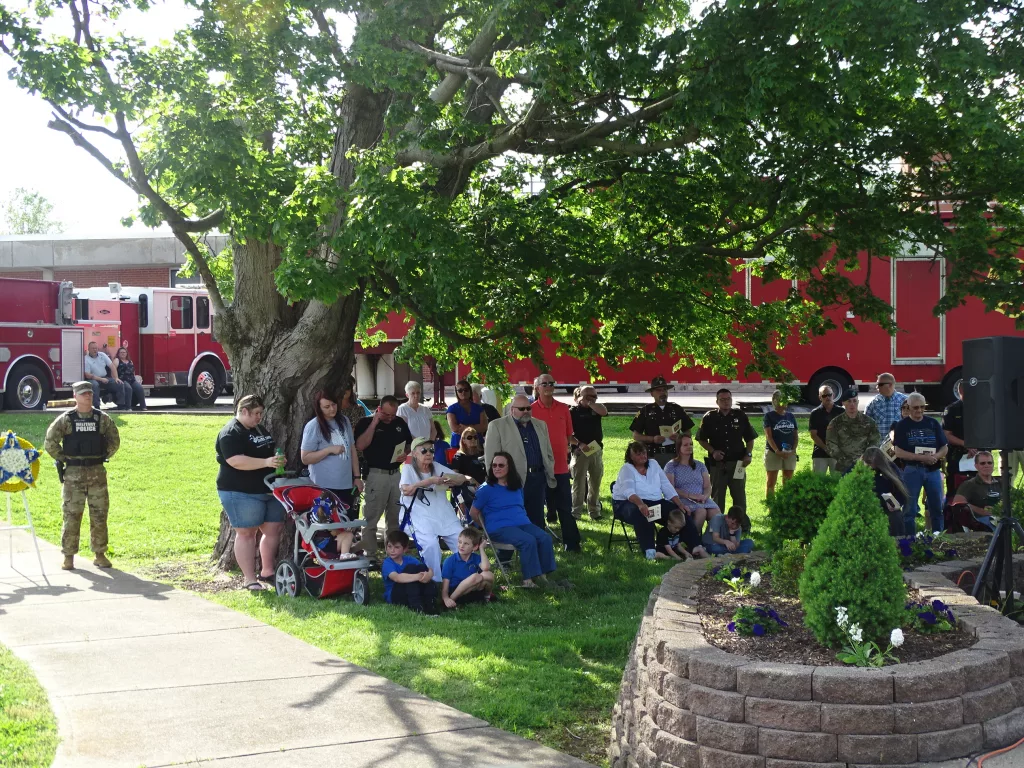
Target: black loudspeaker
(994, 392)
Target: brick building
(150, 259)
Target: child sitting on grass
(407, 581)
(676, 539)
(466, 576)
(725, 533)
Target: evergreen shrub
(853, 562)
(785, 567)
(797, 508)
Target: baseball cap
(849, 393)
(81, 387)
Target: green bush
(854, 563)
(786, 565)
(798, 507)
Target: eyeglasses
(499, 466)
(522, 407)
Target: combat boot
(69, 563)
(101, 561)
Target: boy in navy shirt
(407, 581)
(466, 576)
(677, 538)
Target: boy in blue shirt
(466, 576)
(407, 581)
(724, 535)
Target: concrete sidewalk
(142, 674)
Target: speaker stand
(1000, 550)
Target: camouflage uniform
(847, 439)
(83, 483)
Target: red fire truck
(925, 355)
(46, 326)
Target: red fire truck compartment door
(918, 284)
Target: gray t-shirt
(718, 524)
(333, 471)
(97, 366)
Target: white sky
(86, 198)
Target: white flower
(841, 617)
(14, 460)
(856, 633)
(896, 638)
(936, 534)
(920, 535)
(755, 579)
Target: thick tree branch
(79, 124)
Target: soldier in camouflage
(850, 434)
(82, 439)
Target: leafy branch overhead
(593, 171)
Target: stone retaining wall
(686, 704)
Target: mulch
(796, 644)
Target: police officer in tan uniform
(81, 440)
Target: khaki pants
(381, 497)
(586, 473)
(83, 484)
(821, 466)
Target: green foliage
(222, 267)
(925, 549)
(786, 565)
(853, 563)
(28, 728)
(756, 621)
(27, 212)
(505, 173)
(797, 508)
(860, 652)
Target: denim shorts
(251, 510)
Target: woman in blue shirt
(499, 505)
(781, 437)
(465, 413)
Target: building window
(202, 312)
(181, 312)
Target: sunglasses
(884, 384)
(471, 437)
(426, 450)
(499, 466)
(545, 383)
(461, 389)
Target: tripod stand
(1000, 549)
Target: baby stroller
(314, 510)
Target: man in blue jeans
(920, 445)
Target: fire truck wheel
(206, 385)
(28, 388)
(836, 379)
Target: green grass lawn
(547, 666)
(28, 729)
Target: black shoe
(572, 550)
(553, 519)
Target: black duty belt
(386, 471)
(83, 462)
(534, 470)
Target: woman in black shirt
(245, 452)
(126, 373)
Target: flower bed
(685, 702)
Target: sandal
(255, 586)
(265, 579)
(348, 556)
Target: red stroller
(309, 568)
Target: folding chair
(625, 531)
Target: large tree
(590, 169)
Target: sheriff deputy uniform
(82, 442)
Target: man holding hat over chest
(660, 424)
(82, 439)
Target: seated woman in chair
(640, 485)
(499, 506)
(423, 484)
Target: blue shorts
(251, 510)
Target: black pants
(416, 595)
(559, 501)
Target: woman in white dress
(424, 484)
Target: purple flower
(761, 612)
(949, 617)
(928, 618)
(759, 630)
(731, 626)
(938, 605)
(782, 623)
(906, 548)
(951, 553)
(773, 614)
(928, 554)
(736, 573)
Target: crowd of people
(510, 478)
